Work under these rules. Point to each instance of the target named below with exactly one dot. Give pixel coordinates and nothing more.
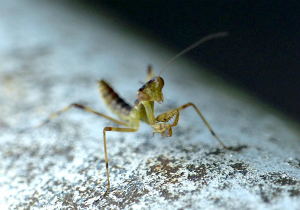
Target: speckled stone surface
(53, 54)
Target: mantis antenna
(196, 44)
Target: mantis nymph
(143, 108)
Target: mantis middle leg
(105, 149)
(163, 126)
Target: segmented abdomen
(114, 102)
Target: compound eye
(142, 96)
(152, 80)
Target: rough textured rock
(52, 54)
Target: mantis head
(151, 91)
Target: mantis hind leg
(150, 73)
(56, 114)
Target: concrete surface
(52, 54)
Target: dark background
(261, 54)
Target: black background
(261, 54)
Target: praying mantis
(143, 108)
